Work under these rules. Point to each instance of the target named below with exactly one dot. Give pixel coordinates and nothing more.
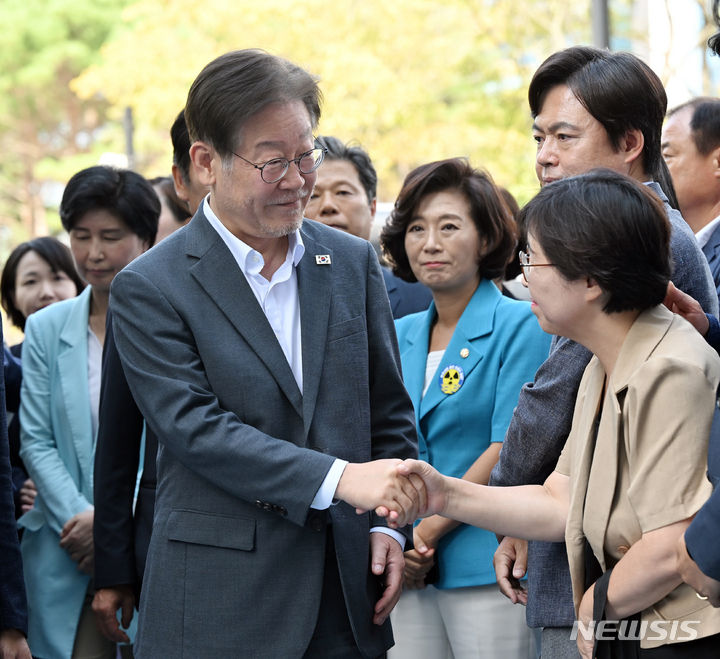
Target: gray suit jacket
(235, 564)
(541, 424)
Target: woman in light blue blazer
(464, 361)
(111, 216)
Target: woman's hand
(418, 562)
(585, 615)
(76, 539)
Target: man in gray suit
(261, 351)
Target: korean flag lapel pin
(322, 259)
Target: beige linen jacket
(647, 467)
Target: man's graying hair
(235, 87)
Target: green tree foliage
(411, 80)
(44, 45)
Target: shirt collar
(250, 260)
(704, 234)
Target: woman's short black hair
(122, 192)
(606, 227)
(489, 212)
(58, 257)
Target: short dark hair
(54, 253)
(714, 40)
(704, 122)
(618, 89)
(356, 156)
(177, 206)
(122, 192)
(512, 269)
(238, 85)
(181, 146)
(604, 226)
(489, 213)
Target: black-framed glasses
(525, 264)
(273, 170)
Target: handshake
(400, 491)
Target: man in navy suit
(13, 605)
(691, 148)
(345, 197)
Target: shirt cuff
(392, 533)
(326, 492)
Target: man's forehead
(335, 171)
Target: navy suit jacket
(13, 604)
(121, 535)
(405, 297)
(702, 537)
(712, 253)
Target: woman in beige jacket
(632, 473)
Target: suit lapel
(711, 249)
(414, 354)
(217, 272)
(315, 291)
(73, 373)
(468, 343)
(391, 287)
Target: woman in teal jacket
(111, 216)
(464, 361)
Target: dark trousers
(333, 637)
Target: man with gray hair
(261, 351)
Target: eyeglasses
(525, 264)
(273, 170)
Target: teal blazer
(496, 348)
(57, 446)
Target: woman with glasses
(111, 216)
(464, 361)
(633, 471)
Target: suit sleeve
(117, 456)
(541, 422)
(165, 372)
(703, 536)
(13, 605)
(61, 499)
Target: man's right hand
(106, 603)
(510, 562)
(377, 485)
